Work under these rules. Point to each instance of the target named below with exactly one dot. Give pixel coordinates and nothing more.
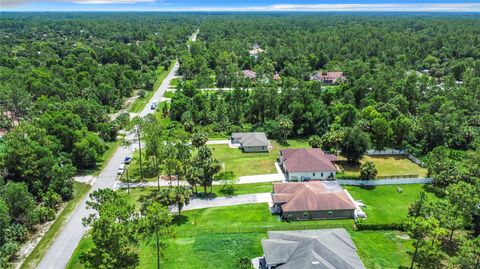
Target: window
(313, 174)
(330, 213)
(321, 174)
(305, 214)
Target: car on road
(121, 169)
(154, 104)
(127, 160)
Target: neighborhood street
(64, 245)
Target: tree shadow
(180, 219)
(282, 143)
(368, 187)
(201, 195)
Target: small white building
(307, 164)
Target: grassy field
(382, 249)
(240, 189)
(244, 164)
(384, 204)
(214, 249)
(140, 102)
(387, 166)
(80, 190)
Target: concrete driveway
(197, 203)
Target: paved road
(64, 245)
(161, 90)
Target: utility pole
(140, 151)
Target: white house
(307, 164)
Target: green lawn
(244, 164)
(377, 250)
(174, 82)
(397, 165)
(384, 204)
(169, 94)
(140, 102)
(382, 249)
(32, 260)
(136, 193)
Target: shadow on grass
(180, 219)
(282, 143)
(368, 187)
(205, 196)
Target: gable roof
(256, 139)
(327, 248)
(307, 160)
(249, 74)
(328, 75)
(311, 196)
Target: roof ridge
(335, 254)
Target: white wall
(321, 175)
(392, 181)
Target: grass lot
(140, 102)
(382, 249)
(80, 190)
(136, 193)
(387, 166)
(384, 204)
(174, 82)
(244, 164)
(210, 249)
(168, 94)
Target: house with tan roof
(307, 164)
(312, 200)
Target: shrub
(228, 188)
(45, 214)
(368, 170)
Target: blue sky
(241, 5)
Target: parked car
(153, 104)
(127, 160)
(121, 169)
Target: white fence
(372, 152)
(389, 181)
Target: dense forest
(412, 82)
(60, 77)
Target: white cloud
(433, 7)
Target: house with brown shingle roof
(307, 164)
(312, 200)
